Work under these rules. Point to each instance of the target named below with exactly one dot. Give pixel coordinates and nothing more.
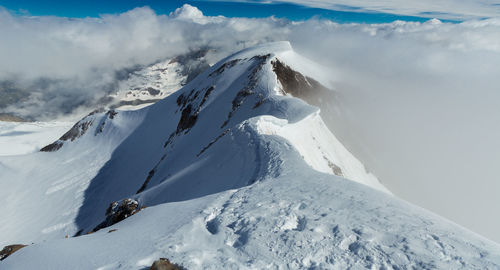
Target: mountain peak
(263, 49)
(238, 169)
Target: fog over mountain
(236, 170)
(416, 101)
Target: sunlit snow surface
(17, 138)
(241, 188)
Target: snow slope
(17, 138)
(235, 173)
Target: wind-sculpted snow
(235, 174)
(300, 219)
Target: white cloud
(73, 61)
(418, 102)
(443, 9)
(418, 105)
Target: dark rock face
(310, 91)
(212, 142)
(165, 264)
(190, 107)
(109, 114)
(146, 182)
(188, 119)
(224, 66)
(76, 131)
(79, 129)
(8, 250)
(118, 211)
(248, 90)
(298, 85)
(150, 175)
(152, 91)
(52, 147)
(307, 89)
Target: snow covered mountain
(236, 170)
(146, 85)
(133, 87)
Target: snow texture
(17, 138)
(234, 174)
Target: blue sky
(93, 8)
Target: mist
(418, 103)
(68, 66)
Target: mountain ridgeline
(236, 170)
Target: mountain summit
(236, 170)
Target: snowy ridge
(311, 133)
(235, 174)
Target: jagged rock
(8, 250)
(118, 211)
(78, 130)
(111, 114)
(248, 90)
(308, 89)
(225, 66)
(188, 119)
(52, 147)
(214, 141)
(165, 264)
(145, 184)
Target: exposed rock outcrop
(118, 211)
(308, 89)
(78, 130)
(165, 264)
(8, 250)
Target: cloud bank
(442, 9)
(418, 103)
(65, 65)
(68, 63)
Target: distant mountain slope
(149, 84)
(234, 173)
(128, 88)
